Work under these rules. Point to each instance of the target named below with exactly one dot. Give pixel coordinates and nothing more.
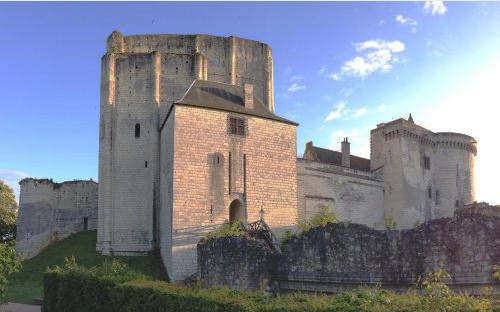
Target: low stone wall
(466, 246)
(237, 262)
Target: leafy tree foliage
(8, 213)
(10, 262)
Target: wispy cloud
(407, 21)
(337, 112)
(341, 110)
(375, 55)
(296, 78)
(295, 87)
(358, 112)
(334, 77)
(381, 108)
(12, 178)
(435, 7)
(322, 70)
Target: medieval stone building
(188, 140)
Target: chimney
(248, 95)
(346, 153)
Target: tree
(8, 213)
(10, 262)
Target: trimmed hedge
(114, 287)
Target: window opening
(237, 126)
(137, 130)
(438, 200)
(430, 192)
(427, 162)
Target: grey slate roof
(335, 158)
(225, 97)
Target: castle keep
(188, 140)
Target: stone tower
(426, 175)
(141, 77)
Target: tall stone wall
(141, 77)
(426, 175)
(340, 255)
(352, 194)
(50, 211)
(212, 169)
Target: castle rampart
(50, 211)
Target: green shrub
(322, 218)
(114, 287)
(226, 230)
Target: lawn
(26, 285)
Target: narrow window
(146, 164)
(137, 130)
(237, 126)
(438, 200)
(430, 192)
(457, 203)
(427, 162)
(85, 223)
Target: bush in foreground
(114, 287)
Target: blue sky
(340, 68)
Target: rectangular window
(427, 162)
(236, 126)
(438, 200)
(430, 192)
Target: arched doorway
(236, 211)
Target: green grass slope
(26, 285)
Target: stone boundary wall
(325, 259)
(50, 211)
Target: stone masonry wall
(467, 246)
(51, 211)
(201, 194)
(252, 269)
(352, 194)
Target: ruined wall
(203, 156)
(51, 211)
(352, 194)
(340, 255)
(236, 262)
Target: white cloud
(295, 87)
(334, 77)
(406, 20)
(295, 78)
(381, 108)
(12, 178)
(341, 110)
(377, 55)
(435, 7)
(358, 112)
(337, 112)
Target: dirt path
(19, 307)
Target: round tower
(454, 175)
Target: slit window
(237, 126)
(427, 162)
(438, 200)
(137, 130)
